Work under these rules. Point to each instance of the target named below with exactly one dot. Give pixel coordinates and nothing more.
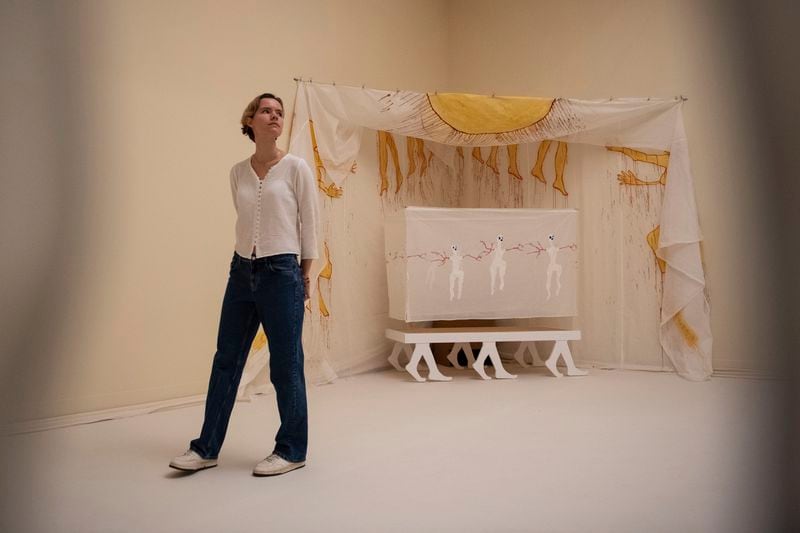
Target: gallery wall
(125, 126)
(122, 274)
(615, 48)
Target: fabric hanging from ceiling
(624, 163)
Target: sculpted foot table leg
(499, 371)
(519, 355)
(467, 349)
(411, 367)
(479, 362)
(572, 370)
(433, 371)
(453, 355)
(561, 349)
(423, 351)
(489, 350)
(394, 358)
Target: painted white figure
(456, 273)
(498, 265)
(553, 267)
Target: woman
(275, 197)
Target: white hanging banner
(333, 124)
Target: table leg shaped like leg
(534, 351)
(552, 361)
(499, 371)
(572, 370)
(433, 371)
(467, 347)
(412, 365)
(519, 355)
(479, 362)
(394, 358)
(453, 355)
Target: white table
(422, 338)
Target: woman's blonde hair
(250, 112)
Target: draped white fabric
(623, 163)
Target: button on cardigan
(279, 214)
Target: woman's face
(268, 120)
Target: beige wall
(607, 48)
(128, 311)
(161, 87)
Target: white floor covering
(611, 452)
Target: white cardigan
(278, 214)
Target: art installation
(623, 162)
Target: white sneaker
(191, 461)
(274, 465)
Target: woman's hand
(305, 268)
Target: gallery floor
(610, 452)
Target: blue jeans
(267, 291)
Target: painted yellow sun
(477, 114)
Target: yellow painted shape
(537, 170)
(423, 161)
(627, 177)
(491, 161)
(513, 169)
(411, 154)
(325, 273)
(323, 309)
(332, 190)
(327, 270)
(329, 189)
(476, 154)
(652, 241)
(687, 332)
(386, 149)
(561, 163)
(259, 342)
(658, 158)
(478, 114)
